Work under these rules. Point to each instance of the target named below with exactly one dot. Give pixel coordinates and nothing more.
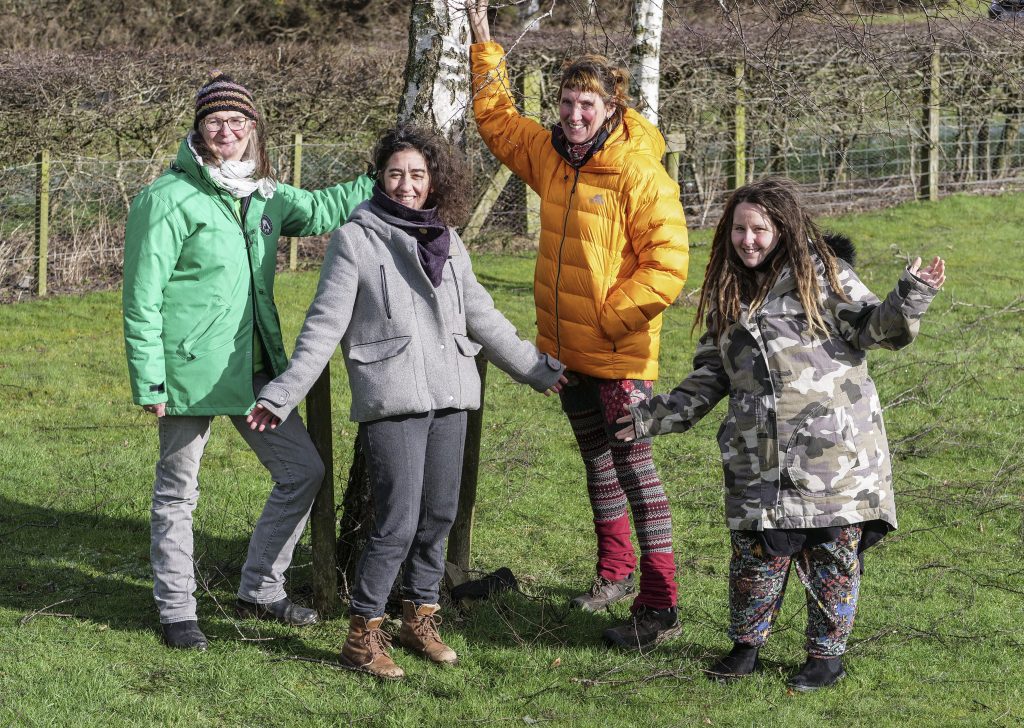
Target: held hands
(557, 386)
(627, 433)
(260, 418)
(157, 409)
(476, 11)
(934, 275)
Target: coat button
(442, 346)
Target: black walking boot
(817, 672)
(739, 663)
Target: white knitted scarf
(236, 176)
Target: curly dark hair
(448, 174)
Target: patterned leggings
(829, 572)
(619, 473)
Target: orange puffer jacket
(613, 243)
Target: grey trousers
(415, 467)
(297, 471)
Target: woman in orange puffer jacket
(613, 255)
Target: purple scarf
(433, 238)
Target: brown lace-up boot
(419, 633)
(367, 647)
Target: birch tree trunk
(645, 56)
(437, 69)
(437, 94)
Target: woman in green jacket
(202, 335)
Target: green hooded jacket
(197, 281)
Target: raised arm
(868, 323)
(476, 11)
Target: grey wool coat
(408, 346)
(803, 443)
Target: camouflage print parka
(803, 444)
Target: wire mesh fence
(856, 127)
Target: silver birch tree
(645, 55)
(437, 68)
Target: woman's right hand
(476, 11)
(259, 419)
(157, 409)
(628, 433)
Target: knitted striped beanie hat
(223, 93)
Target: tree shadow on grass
(89, 566)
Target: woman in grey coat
(398, 291)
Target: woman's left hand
(934, 275)
(557, 386)
(260, 418)
(627, 434)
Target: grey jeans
(415, 467)
(297, 471)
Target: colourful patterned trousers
(830, 574)
(621, 473)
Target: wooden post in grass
(42, 218)
(323, 521)
(460, 538)
(487, 200)
(293, 253)
(739, 131)
(929, 156)
(532, 83)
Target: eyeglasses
(235, 123)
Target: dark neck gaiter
(432, 236)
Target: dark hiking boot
(184, 635)
(739, 663)
(602, 593)
(646, 628)
(282, 611)
(817, 672)
(366, 649)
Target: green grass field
(939, 634)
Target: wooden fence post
(532, 91)
(929, 157)
(323, 518)
(293, 254)
(483, 207)
(42, 218)
(739, 130)
(460, 538)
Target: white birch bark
(437, 69)
(645, 55)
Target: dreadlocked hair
(729, 284)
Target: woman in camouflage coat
(807, 472)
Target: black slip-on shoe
(282, 611)
(184, 635)
(741, 662)
(817, 673)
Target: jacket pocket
(384, 291)
(378, 350)
(467, 347)
(739, 443)
(383, 378)
(207, 335)
(822, 452)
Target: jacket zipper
(384, 288)
(455, 280)
(558, 267)
(252, 287)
